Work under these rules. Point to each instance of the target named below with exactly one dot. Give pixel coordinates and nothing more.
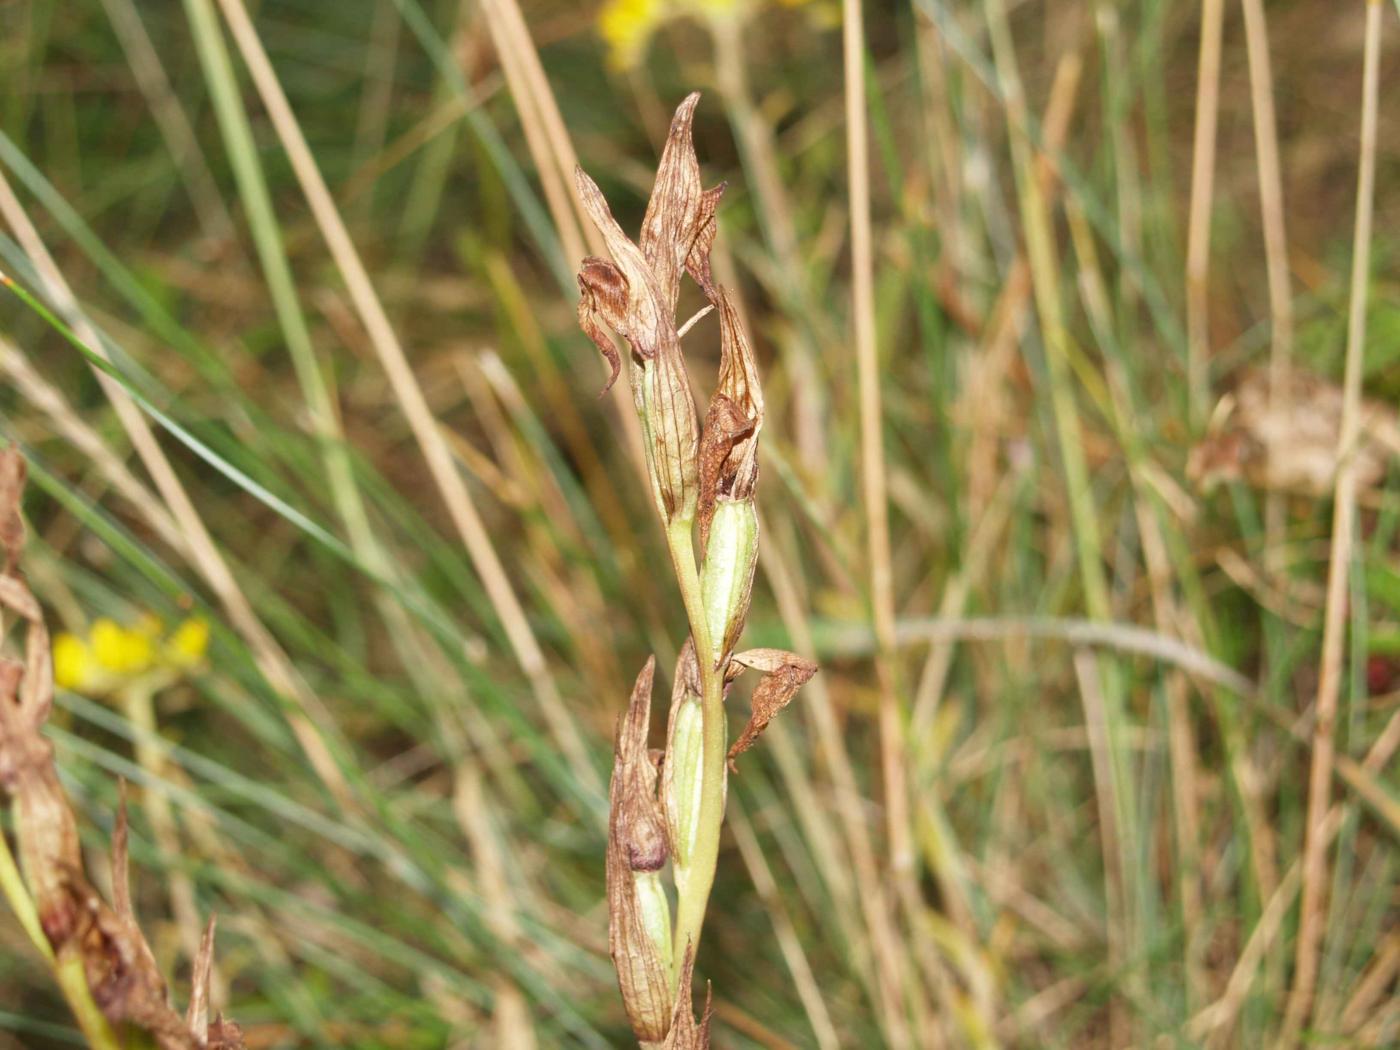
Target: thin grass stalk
(539, 110)
(416, 652)
(553, 175)
(409, 393)
(860, 883)
(1261, 96)
(1313, 906)
(803, 978)
(759, 155)
(257, 201)
(308, 718)
(1041, 253)
(1202, 199)
(170, 117)
(893, 773)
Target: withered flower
(639, 916)
(117, 964)
(635, 296)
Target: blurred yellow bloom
(73, 663)
(188, 644)
(627, 25)
(120, 650)
(112, 654)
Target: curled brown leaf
(783, 674)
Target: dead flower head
(635, 296)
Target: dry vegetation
(1078, 331)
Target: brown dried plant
(703, 481)
(98, 953)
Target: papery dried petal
(636, 820)
(697, 263)
(641, 321)
(725, 424)
(673, 213)
(785, 673)
(602, 298)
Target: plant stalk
(67, 971)
(695, 894)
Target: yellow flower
(626, 26)
(119, 649)
(111, 655)
(188, 644)
(73, 663)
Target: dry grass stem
(1313, 905)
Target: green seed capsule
(726, 579)
(682, 780)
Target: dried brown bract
(729, 446)
(639, 915)
(784, 674)
(685, 1033)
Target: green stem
(12, 885)
(695, 895)
(68, 970)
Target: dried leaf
(1290, 443)
(784, 674)
(685, 1034)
